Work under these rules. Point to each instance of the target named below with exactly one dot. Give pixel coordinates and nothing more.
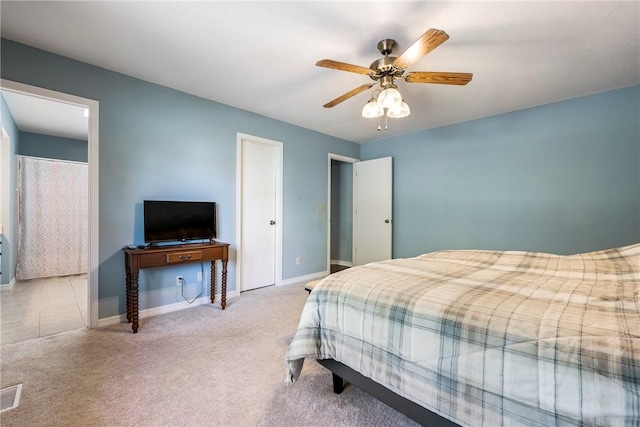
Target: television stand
(161, 256)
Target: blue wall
(561, 178)
(158, 143)
(8, 232)
(53, 147)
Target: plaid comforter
(486, 337)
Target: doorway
(372, 195)
(340, 209)
(259, 212)
(91, 107)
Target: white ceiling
(43, 116)
(260, 56)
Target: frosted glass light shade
(389, 98)
(399, 111)
(372, 109)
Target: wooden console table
(159, 256)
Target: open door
(372, 214)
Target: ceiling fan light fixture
(399, 112)
(389, 98)
(372, 109)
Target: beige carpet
(197, 367)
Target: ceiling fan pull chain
(386, 120)
(379, 123)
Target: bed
(484, 338)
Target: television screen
(166, 221)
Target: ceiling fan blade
(348, 95)
(439, 78)
(425, 44)
(343, 66)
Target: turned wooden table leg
(134, 303)
(224, 285)
(213, 281)
(128, 285)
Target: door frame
(278, 146)
(92, 160)
(345, 159)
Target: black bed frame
(342, 373)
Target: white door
(259, 218)
(373, 191)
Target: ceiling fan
(389, 68)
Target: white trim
(5, 191)
(339, 158)
(9, 285)
(279, 203)
(17, 392)
(164, 309)
(93, 160)
(307, 278)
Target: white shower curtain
(53, 223)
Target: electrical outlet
(199, 276)
(179, 280)
(298, 262)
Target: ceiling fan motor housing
(385, 65)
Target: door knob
(272, 222)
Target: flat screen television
(166, 221)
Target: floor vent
(10, 397)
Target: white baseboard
(163, 309)
(9, 285)
(307, 278)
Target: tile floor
(40, 307)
